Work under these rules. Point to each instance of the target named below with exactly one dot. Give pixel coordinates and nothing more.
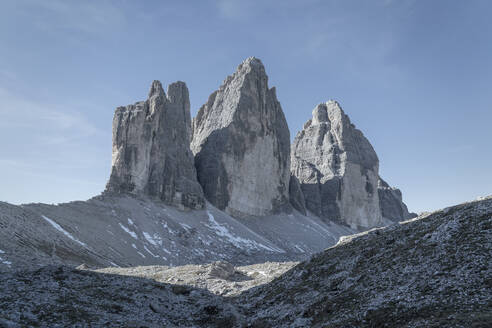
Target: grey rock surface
(57, 296)
(337, 169)
(296, 195)
(241, 143)
(151, 153)
(391, 203)
(126, 230)
(220, 278)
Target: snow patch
(66, 233)
(134, 246)
(141, 254)
(185, 226)
(7, 263)
(171, 231)
(130, 222)
(206, 242)
(148, 251)
(299, 248)
(239, 242)
(131, 233)
(155, 240)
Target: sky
(415, 76)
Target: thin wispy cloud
(18, 111)
(45, 143)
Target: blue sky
(414, 76)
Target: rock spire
(337, 169)
(241, 145)
(151, 148)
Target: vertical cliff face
(151, 152)
(337, 169)
(391, 203)
(237, 154)
(296, 195)
(241, 145)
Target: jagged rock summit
(151, 152)
(337, 169)
(241, 143)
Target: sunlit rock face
(337, 169)
(151, 148)
(241, 143)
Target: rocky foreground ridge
(431, 271)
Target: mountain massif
(219, 221)
(225, 185)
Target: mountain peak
(241, 145)
(156, 89)
(251, 64)
(324, 111)
(252, 61)
(151, 152)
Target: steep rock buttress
(151, 148)
(337, 169)
(241, 143)
(338, 172)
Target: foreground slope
(432, 271)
